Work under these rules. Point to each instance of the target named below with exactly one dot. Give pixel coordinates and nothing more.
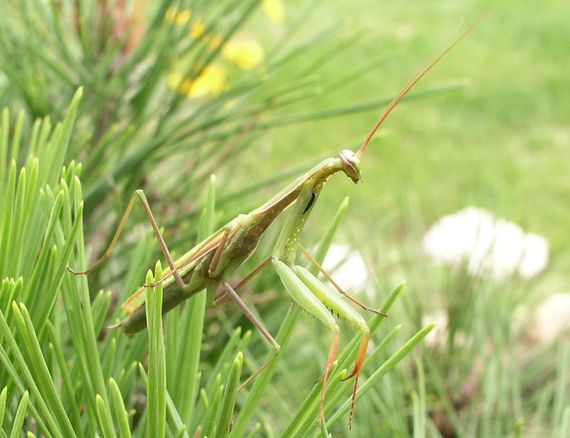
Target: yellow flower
(198, 29)
(177, 16)
(212, 81)
(246, 54)
(274, 10)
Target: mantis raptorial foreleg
(309, 302)
(333, 301)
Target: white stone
(486, 244)
(551, 318)
(347, 268)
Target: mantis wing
(184, 264)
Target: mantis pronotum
(210, 263)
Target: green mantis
(211, 262)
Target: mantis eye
(352, 164)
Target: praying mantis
(210, 263)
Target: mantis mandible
(210, 263)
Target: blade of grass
(179, 426)
(118, 407)
(210, 425)
(20, 416)
(4, 136)
(8, 197)
(39, 367)
(229, 398)
(46, 420)
(73, 406)
(105, 421)
(156, 386)
(3, 396)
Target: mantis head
(351, 165)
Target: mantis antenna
(413, 81)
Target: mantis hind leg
(138, 194)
